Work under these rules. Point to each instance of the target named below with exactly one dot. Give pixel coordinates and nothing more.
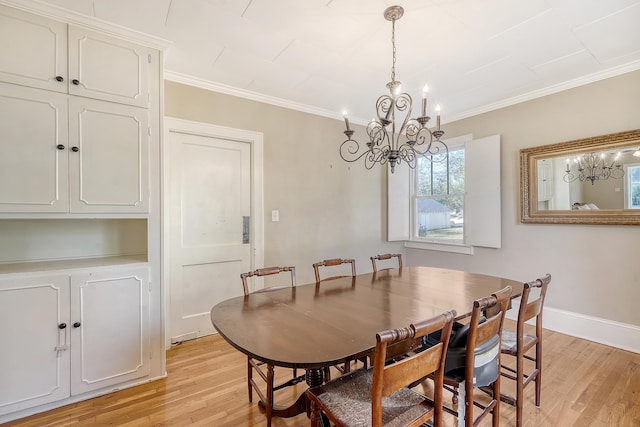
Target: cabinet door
(34, 361)
(34, 160)
(109, 328)
(107, 68)
(33, 50)
(108, 164)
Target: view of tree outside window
(439, 197)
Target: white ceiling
(335, 55)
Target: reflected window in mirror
(632, 186)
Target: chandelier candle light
(404, 140)
(593, 167)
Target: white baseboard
(608, 332)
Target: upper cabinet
(102, 67)
(33, 50)
(46, 54)
(71, 154)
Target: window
(632, 186)
(448, 206)
(439, 197)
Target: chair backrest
(331, 263)
(530, 309)
(376, 258)
(487, 333)
(267, 271)
(392, 375)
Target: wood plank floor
(585, 384)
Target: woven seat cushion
(510, 343)
(348, 398)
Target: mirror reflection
(608, 179)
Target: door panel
(209, 196)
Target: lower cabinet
(68, 334)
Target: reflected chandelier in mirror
(593, 167)
(587, 181)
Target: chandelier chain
(393, 43)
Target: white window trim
(482, 198)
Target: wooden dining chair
(376, 259)
(258, 366)
(380, 396)
(333, 263)
(518, 343)
(473, 358)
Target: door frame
(255, 139)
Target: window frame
(482, 199)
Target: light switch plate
(275, 216)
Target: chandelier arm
(349, 151)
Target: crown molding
(549, 90)
(243, 93)
(80, 20)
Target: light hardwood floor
(584, 384)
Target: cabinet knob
(62, 326)
(76, 325)
(60, 147)
(75, 149)
(60, 78)
(75, 82)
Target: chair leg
(519, 387)
(495, 413)
(538, 378)
(249, 377)
(269, 403)
(315, 415)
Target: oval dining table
(328, 323)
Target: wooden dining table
(320, 325)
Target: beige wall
(328, 208)
(594, 268)
(332, 209)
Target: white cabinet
(81, 156)
(33, 50)
(32, 370)
(46, 54)
(68, 334)
(108, 157)
(33, 171)
(106, 68)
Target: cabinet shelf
(71, 264)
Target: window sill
(442, 247)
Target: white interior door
(210, 241)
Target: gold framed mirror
(586, 181)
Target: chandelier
(593, 167)
(391, 140)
